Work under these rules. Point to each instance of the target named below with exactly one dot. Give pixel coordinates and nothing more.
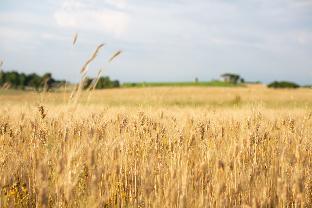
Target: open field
(157, 147)
(253, 95)
(182, 84)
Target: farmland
(157, 147)
(181, 84)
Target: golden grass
(157, 147)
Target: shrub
(283, 84)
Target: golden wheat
(158, 147)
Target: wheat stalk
(76, 92)
(84, 68)
(75, 39)
(115, 54)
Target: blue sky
(162, 40)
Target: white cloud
(173, 36)
(121, 4)
(83, 16)
(304, 37)
(15, 39)
(20, 18)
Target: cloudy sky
(175, 40)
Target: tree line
(16, 80)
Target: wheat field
(157, 147)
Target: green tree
(35, 81)
(87, 82)
(2, 77)
(22, 81)
(12, 78)
(116, 84)
(48, 81)
(103, 82)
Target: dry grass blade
(117, 53)
(75, 39)
(1, 64)
(83, 69)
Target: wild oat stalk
(96, 80)
(117, 53)
(76, 92)
(75, 39)
(85, 66)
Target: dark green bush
(283, 84)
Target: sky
(174, 40)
